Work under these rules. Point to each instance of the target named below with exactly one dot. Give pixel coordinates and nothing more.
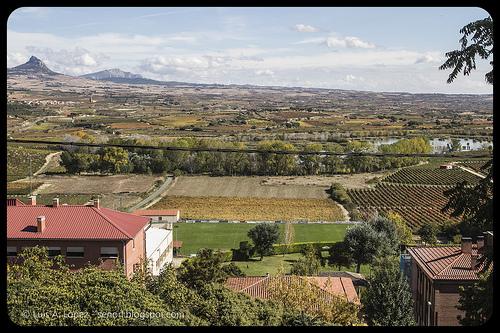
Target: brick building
(437, 272)
(81, 233)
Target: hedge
(298, 247)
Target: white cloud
(305, 28)
(75, 61)
(429, 57)
(266, 72)
(350, 42)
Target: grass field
(224, 236)
(273, 265)
(253, 209)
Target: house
(81, 233)
(446, 166)
(259, 286)
(160, 218)
(159, 248)
(437, 272)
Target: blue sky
(377, 49)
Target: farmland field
(70, 199)
(253, 209)
(431, 176)
(20, 188)
(97, 184)
(417, 204)
(474, 165)
(18, 161)
(243, 187)
(225, 236)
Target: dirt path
(344, 211)
(42, 169)
(469, 170)
(155, 196)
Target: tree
(43, 291)
(263, 236)
(114, 160)
(428, 233)
(339, 255)
(455, 145)
(311, 163)
(303, 297)
(309, 264)
(404, 233)
(363, 242)
(389, 241)
(289, 235)
(387, 300)
(206, 267)
(473, 204)
(480, 34)
(477, 301)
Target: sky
(373, 49)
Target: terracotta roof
(447, 262)
(258, 286)
(157, 212)
(72, 222)
(177, 244)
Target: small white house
(159, 248)
(446, 166)
(160, 218)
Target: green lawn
(224, 236)
(273, 264)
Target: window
(109, 252)
(75, 252)
(159, 218)
(11, 251)
(54, 251)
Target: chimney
(96, 203)
(32, 201)
(55, 202)
(488, 241)
(466, 245)
(480, 244)
(473, 261)
(40, 223)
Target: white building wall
(159, 248)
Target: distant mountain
(33, 66)
(118, 76)
(111, 74)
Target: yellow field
(252, 209)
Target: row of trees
(139, 160)
(43, 291)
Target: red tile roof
(447, 262)
(72, 222)
(258, 286)
(157, 212)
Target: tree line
(151, 161)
